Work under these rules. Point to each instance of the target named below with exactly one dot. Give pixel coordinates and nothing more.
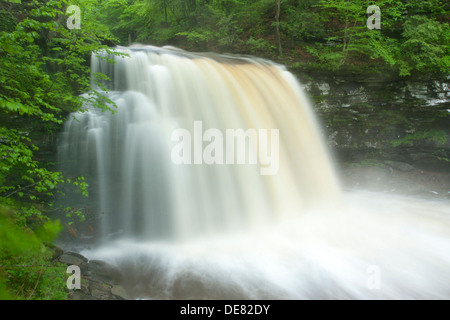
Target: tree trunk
(165, 12)
(277, 27)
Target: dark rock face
(386, 119)
(73, 258)
(97, 279)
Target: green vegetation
(326, 34)
(27, 270)
(43, 70)
(439, 136)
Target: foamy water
(371, 246)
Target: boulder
(400, 166)
(97, 279)
(73, 258)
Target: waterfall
(210, 180)
(234, 112)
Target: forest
(45, 67)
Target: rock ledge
(97, 279)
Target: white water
(226, 231)
(389, 248)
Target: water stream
(212, 181)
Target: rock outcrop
(97, 279)
(398, 120)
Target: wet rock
(99, 271)
(97, 279)
(100, 291)
(73, 258)
(324, 88)
(386, 118)
(120, 291)
(401, 166)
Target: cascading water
(129, 153)
(213, 182)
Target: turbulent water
(213, 181)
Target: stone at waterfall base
(97, 279)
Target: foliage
(438, 136)
(203, 25)
(43, 69)
(426, 45)
(302, 21)
(259, 46)
(424, 39)
(330, 34)
(26, 267)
